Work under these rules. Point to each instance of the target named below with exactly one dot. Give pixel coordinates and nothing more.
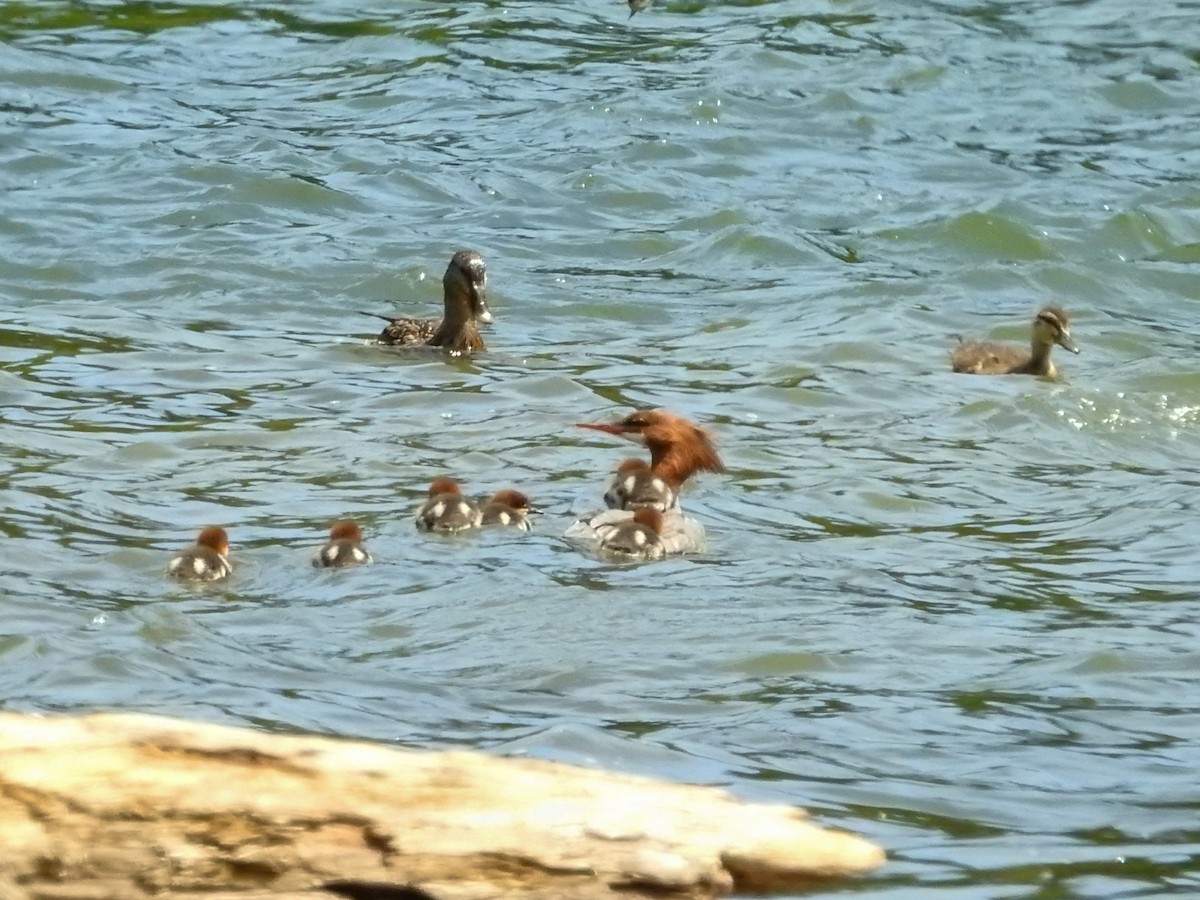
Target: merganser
(447, 510)
(1050, 327)
(345, 546)
(464, 288)
(508, 508)
(678, 449)
(206, 560)
(636, 538)
(635, 486)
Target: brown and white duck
(678, 449)
(635, 486)
(1050, 327)
(507, 508)
(205, 560)
(447, 510)
(464, 294)
(344, 547)
(637, 538)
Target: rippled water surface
(955, 614)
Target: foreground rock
(131, 806)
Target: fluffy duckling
(1050, 327)
(635, 486)
(205, 560)
(344, 548)
(447, 510)
(464, 295)
(507, 508)
(636, 538)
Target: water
(956, 615)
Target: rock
(133, 806)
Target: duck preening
(464, 296)
(1050, 327)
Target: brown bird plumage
(344, 548)
(464, 295)
(1050, 327)
(678, 448)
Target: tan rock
(132, 806)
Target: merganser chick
(636, 538)
(464, 295)
(508, 508)
(206, 560)
(1050, 327)
(447, 510)
(344, 548)
(678, 450)
(635, 486)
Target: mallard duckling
(206, 560)
(1050, 327)
(507, 508)
(464, 295)
(344, 548)
(636, 538)
(635, 486)
(447, 510)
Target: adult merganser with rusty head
(635, 486)
(464, 293)
(206, 560)
(344, 548)
(507, 508)
(636, 538)
(447, 510)
(678, 449)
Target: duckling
(1050, 327)
(206, 560)
(464, 298)
(636, 538)
(344, 548)
(508, 508)
(447, 510)
(635, 485)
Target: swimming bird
(637, 538)
(1050, 327)
(205, 560)
(464, 296)
(635, 486)
(678, 449)
(344, 548)
(507, 508)
(447, 510)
